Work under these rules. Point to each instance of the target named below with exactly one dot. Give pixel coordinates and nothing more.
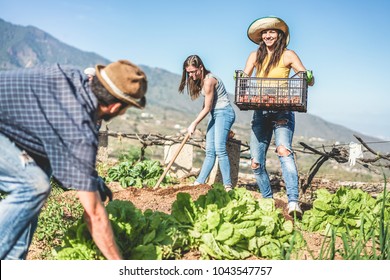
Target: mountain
(163, 92)
(28, 46)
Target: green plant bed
(220, 225)
(359, 220)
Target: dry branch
(341, 155)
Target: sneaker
(294, 209)
(228, 188)
(195, 183)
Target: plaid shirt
(50, 112)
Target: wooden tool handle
(172, 161)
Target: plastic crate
(274, 94)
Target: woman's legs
(209, 160)
(220, 123)
(261, 135)
(224, 119)
(284, 125)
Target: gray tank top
(221, 98)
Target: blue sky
(345, 43)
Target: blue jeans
(219, 125)
(27, 187)
(282, 124)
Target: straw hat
(124, 80)
(264, 23)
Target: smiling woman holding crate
(273, 61)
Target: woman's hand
(310, 77)
(191, 128)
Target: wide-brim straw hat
(124, 80)
(264, 23)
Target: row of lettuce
(234, 225)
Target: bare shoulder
(252, 55)
(209, 82)
(290, 56)
(289, 53)
(251, 59)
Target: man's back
(51, 112)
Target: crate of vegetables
(275, 94)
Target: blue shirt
(51, 112)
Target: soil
(161, 199)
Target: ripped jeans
(27, 187)
(282, 125)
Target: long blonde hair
(193, 88)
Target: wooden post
(103, 139)
(102, 155)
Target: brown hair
(193, 87)
(262, 53)
(103, 96)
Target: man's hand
(104, 191)
(99, 225)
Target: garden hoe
(172, 161)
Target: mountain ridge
(28, 46)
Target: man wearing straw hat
(272, 59)
(48, 121)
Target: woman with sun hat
(272, 59)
